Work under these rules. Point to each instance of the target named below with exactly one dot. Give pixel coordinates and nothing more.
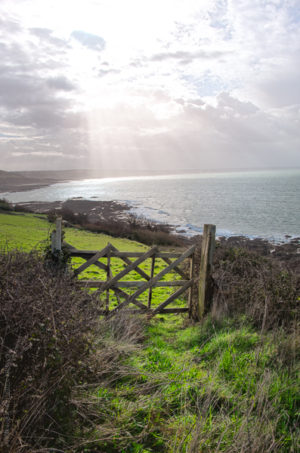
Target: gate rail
(196, 306)
(115, 283)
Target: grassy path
(215, 388)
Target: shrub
(52, 215)
(5, 205)
(22, 208)
(45, 328)
(144, 232)
(254, 285)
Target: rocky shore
(94, 210)
(111, 211)
(288, 253)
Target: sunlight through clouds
(207, 82)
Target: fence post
(205, 279)
(56, 236)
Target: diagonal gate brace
(155, 279)
(92, 260)
(128, 269)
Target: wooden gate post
(205, 280)
(56, 236)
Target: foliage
(247, 283)
(45, 327)
(221, 387)
(132, 227)
(226, 385)
(5, 205)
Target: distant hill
(19, 181)
(16, 181)
(26, 180)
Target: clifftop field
(28, 231)
(73, 381)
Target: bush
(52, 215)
(45, 330)
(247, 283)
(138, 230)
(134, 228)
(5, 205)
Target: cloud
(10, 25)
(280, 88)
(43, 154)
(208, 84)
(105, 72)
(93, 42)
(46, 35)
(33, 87)
(185, 56)
(7, 136)
(60, 83)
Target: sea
(256, 204)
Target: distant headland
(20, 181)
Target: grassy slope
(218, 387)
(26, 231)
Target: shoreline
(116, 211)
(183, 217)
(94, 209)
(27, 187)
(24, 181)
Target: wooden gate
(197, 306)
(133, 260)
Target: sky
(158, 85)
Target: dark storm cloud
(93, 42)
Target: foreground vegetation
(221, 386)
(73, 382)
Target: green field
(28, 231)
(220, 386)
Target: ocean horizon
(260, 203)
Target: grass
(215, 388)
(27, 231)
(222, 386)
